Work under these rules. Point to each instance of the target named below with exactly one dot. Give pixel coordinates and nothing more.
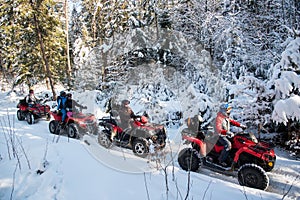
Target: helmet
(31, 91)
(144, 119)
(225, 108)
(62, 93)
(69, 95)
(125, 102)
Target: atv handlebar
(81, 108)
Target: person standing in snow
(222, 127)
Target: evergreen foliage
(205, 51)
(20, 51)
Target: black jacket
(70, 105)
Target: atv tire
(103, 140)
(30, 118)
(140, 148)
(73, 131)
(95, 131)
(20, 116)
(188, 160)
(253, 176)
(53, 126)
(48, 117)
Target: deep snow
(72, 171)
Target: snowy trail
(285, 174)
(285, 169)
(118, 159)
(64, 165)
(288, 170)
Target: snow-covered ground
(43, 166)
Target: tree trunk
(259, 130)
(40, 38)
(67, 46)
(289, 130)
(283, 11)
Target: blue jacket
(61, 102)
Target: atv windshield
(253, 137)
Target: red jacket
(223, 123)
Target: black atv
(138, 137)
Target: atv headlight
(154, 138)
(270, 164)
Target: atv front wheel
(189, 160)
(30, 118)
(103, 139)
(73, 131)
(95, 130)
(53, 126)
(254, 176)
(140, 148)
(20, 116)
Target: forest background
(199, 52)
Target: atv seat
(188, 132)
(219, 143)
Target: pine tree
(34, 42)
(285, 80)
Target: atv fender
(198, 142)
(246, 150)
(138, 133)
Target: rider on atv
(126, 114)
(61, 105)
(30, 99)
(71, 105)
(222, 127)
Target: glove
(242, 126)
(230, 134)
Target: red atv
(138, 137)
(250, 158)
(75, 125)
(32, 113)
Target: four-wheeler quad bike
(32, 113)
(250, 158)
(138, 137)
(75, 125)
